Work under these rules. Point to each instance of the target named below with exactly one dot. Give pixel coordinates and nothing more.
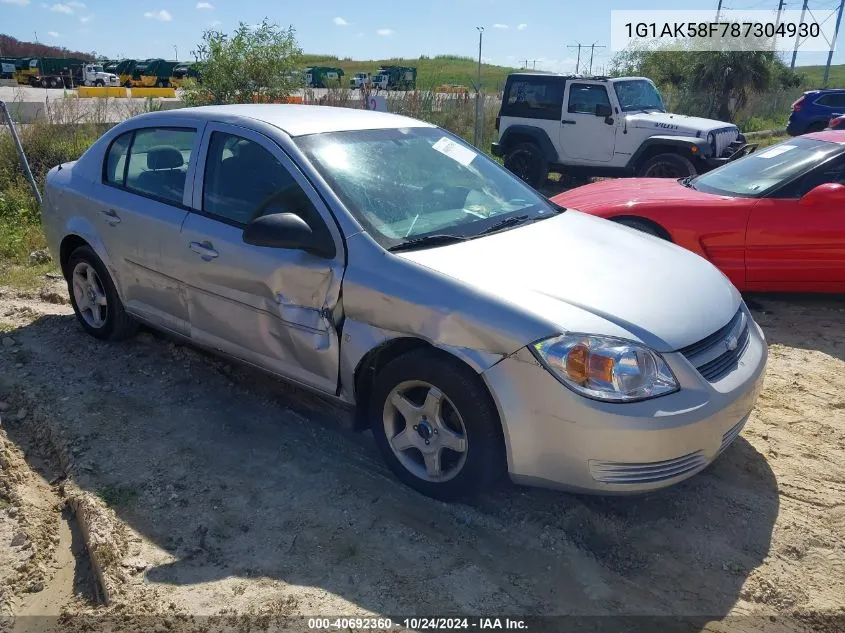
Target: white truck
(360, 80)
(599, 126)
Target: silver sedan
(476, 327)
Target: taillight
(797, 105)
(835, 123)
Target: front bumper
(557, 438)
(743, 149)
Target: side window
(583, 98)
(158, 163)
(534, 98)
(244, 181)
(114, 167)
(835, 100)
(832, 171)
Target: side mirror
(288, 230)
(826, 194)
(603, 110)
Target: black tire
(667, 166)
(527, 162)
(642, 226)
(485, 460)
(45, 83)
(99, 83)
(818, 126)
(118, 325)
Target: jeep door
(584, 136)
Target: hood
(580, 273)
(679, 124)
(632, 192)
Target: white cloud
(85, 19)
(162, 15)
(204, 5)
(522, 26)
(21, 3)
(500, 26)
(53, 34)
(385, 32)
(61, 8)
(340, 21)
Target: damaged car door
(274, 307)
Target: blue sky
(538, 30)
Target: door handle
(567, 122)
(204, 249)
(111, 217)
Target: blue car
(814, 109)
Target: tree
(254, 63)
(726, 77)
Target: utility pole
(578, 62)
(176, 50)
(797, 37)
(593, 47)
(477, 135)
(833, 42)
(525, 64)
(718, 10)
(36, 36)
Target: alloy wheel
(90, 296)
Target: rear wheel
(436, 426)
(667, 166)
(94, 297)
(527, 162)
(818, 126)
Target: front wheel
(436, 426)
(667, 166)
(94, 297)
(99, 83)
(527, 162)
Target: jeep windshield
(763, 171)
(638, 94)
(421, 186)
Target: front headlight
(605, 368)
(711, 139)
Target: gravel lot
(213, 490)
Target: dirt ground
(216, 491)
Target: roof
(299, 120)
(567, 77)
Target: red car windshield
(767, 169)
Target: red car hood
(630, 192)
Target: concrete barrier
(167, 93)
(117, 92)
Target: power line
(578, 61)
(593, 47)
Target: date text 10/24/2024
(417, 624)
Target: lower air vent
(648, 472)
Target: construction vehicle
(124, 70)
(323, 76)
(64, 72)
(361, 80)
(396, 78)
(153, 73)
(183, 72)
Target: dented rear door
(275, 308)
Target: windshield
(758, 173)
(406, 184)
(97, 69)
(638, 94)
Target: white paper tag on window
(456, 152)
(776, 151)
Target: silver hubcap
(89, 295)
(425, 431)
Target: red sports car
(771, 221)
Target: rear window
(832, 100)
(539, 98)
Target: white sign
(377, 102)
(456, 152)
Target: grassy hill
(815, 76)
(431, 71)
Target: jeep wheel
(527, 162)
(667, 166)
